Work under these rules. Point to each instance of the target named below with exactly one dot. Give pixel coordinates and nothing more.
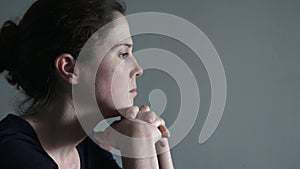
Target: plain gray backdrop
(259, 43)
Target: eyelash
(123, 55)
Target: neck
(57, 127)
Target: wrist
(138, 148)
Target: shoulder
(16, 153)
(19, 147)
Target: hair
(49, 28)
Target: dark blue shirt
(21, 149)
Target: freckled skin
(116, 75)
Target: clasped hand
(138, 128)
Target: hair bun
(8, 45)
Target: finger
(150, 117)
(132, 112)
(144, 108)
(158, 135)
(165, 132)
(158, 122)
(161, 125)
(144, 115)
(147, 116)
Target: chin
(110, 110)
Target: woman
(39, 56)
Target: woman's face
(116, 76)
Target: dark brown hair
(49, 28)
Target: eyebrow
(123, 44)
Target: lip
(133, 90)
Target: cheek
(112, 86)
(120, 80)
(121, 84)
(103, 83)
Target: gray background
(258, 43)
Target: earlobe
(65, 67)
(73, 79)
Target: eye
(123, 55)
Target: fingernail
(145, 107)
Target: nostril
(140, 72)
(136, 72)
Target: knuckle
(134, 108)
(132, 111)
(144, 108)
(152, 113)
(150, 116)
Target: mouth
(134, 91)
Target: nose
(137, 71)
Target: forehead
(106, 38)
(119, 30)
(113, 33)
(109, 37)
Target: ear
(65, 67)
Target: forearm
(164, 155)
(140, 163)
(165, 161)
(139, 157)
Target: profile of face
(115, 83)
